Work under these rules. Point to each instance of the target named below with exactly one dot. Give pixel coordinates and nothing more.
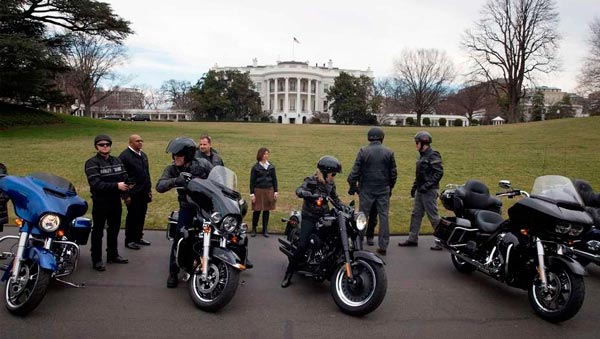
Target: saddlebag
(80, 230)
(453, 231)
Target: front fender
(570, 263)
(368, 256)
(38, 255)
(227, 256)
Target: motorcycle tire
(364, 296)
(218, 290)
(21, 298)
(461, 265)
(564, 298)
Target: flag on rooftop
(296, 40)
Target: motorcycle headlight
(361, 221)
(562, 228)
(215, 218)
(229, 224)
(576, 230)
(49, 222)
(243, 207)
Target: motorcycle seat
(474, 196)
(487, 221)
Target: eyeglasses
(103, 145)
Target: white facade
(291, 91)
(399, 119)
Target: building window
(292, 85)
(259, 87)
(292, 104)
(325, 88)
(325, 106)
(280, 105)
(303, 105)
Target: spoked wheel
(362, 294)
(24, 293)
(461, 265)
(217, 290)
(563, 298)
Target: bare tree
(471, 98)
(423, 76)
(91, 60)
(589, 80)
(512, 41)
(177, 93)
(153, 98)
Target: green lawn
(518, 152)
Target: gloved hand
(422, 190)
(351, 191)
(307, 194)
(412, 192)
(182, 179)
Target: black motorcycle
(358, 279)
(528, 250)
(587, 250)
(213, 250)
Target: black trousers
(186, 217)
(307, 228)
(372, 222)
(136, 217)
(105, 212)
(265, 220)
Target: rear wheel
(217, 290)
(24, 293)
(461, 265)
(563, 298)
(364, 292)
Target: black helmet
(182, 146)
(329, 164)
(424, 137)
(375, 134)
(101, 137)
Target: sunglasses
(333, 174)
(103, 145)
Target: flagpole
(293, 47)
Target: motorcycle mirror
(504, 184)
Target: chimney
(330, 64)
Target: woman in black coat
(263, 189)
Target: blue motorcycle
(50, 231)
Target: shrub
(442, 122)
(410, 121)
(457, 123)
(474, 122)
(426, 121)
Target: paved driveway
(426, 298)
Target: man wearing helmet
(184, 166)
(375, 172)
(106, 176)
(429, 172)
(313, 190)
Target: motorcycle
(358, 278)
(587, 250)
(50, 231)
(526, 251)
(214, 249)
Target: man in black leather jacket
(313, 190)
(184, 167)
(429, 172)
(376, 173)
(205, 151)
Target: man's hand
(123, 186)
(423, 190)
(412, 192)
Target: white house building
(400, 119)
(291, 91)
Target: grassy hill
(518, 152)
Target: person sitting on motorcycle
(184, 167)
(314, 191)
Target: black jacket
(263, 178)
(214, 158)
(103, 175)
(429, 170)
(311, 186)
(198, 168)
(374, 169)
(138, 171)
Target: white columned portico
(298, 88)
(309, 91)
(286, 91)
(275, 107)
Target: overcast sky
(182, 39)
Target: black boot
(253, 233)
(287, 279)
(172, 280)
(265, 223)
(249, 264)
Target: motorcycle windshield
(217, 193)
(40, 193)
(556, 189)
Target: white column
(298, 96)
(275, 102)
(286, 90)
(308, 89)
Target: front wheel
(362, 294)
(27, 291)
(564, 295)
(217, 290)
